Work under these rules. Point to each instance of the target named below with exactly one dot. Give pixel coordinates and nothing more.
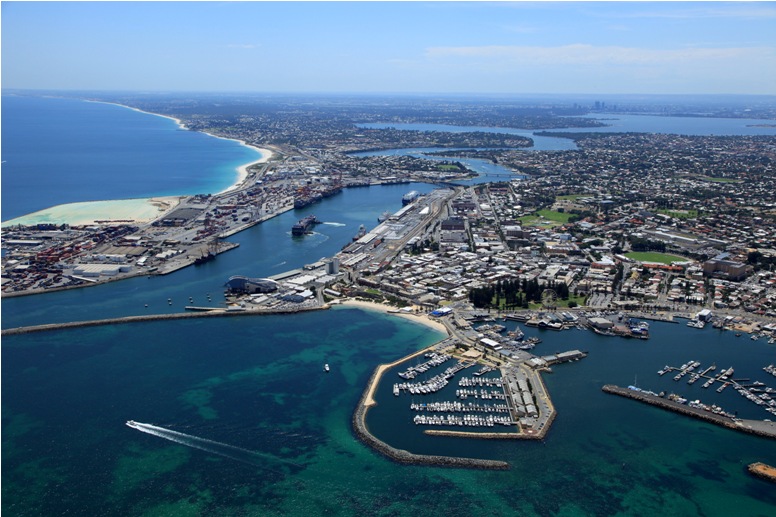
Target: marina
(756, 392)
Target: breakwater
(154, 317)
(756, 427)
(480, 436)
(763, 471)
(400, 455)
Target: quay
(763, 471)
(762, 428)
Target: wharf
(183, 261)
(762, 470)
(757, 427)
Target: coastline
(128, 211)
(137, 210)
(386, 309)
(242, 170)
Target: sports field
(651, 256)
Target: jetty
(762, 428)
(763, 471)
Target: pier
(757, 427)
(757, 392)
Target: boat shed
(601, 323)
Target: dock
(756, 392)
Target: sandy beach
(142, 210)
(242, 170)
(423, 319)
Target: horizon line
(377, 93)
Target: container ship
(303, 226)
(307, 196)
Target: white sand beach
(242, 170)
(423, 319)
(141, 210)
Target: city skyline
(392, 47)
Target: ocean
(242, 420)
(61, 150)
(245, 422)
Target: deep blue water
(58, 150)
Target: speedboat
(132, 423)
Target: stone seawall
(756, 427)
(480, 436)
(152, 317)
(399, 455)
(763, 471)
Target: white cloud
(603, 55)
(743, 10)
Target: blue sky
(413, 47)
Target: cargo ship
(306, 196)
(410, 197)
(361, 233)
(303, 226)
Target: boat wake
(335, 224)
(221, 449)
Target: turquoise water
(58, 150)
(278, 433)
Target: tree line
(515, 293)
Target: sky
(392, 47)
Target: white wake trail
(211, 446)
